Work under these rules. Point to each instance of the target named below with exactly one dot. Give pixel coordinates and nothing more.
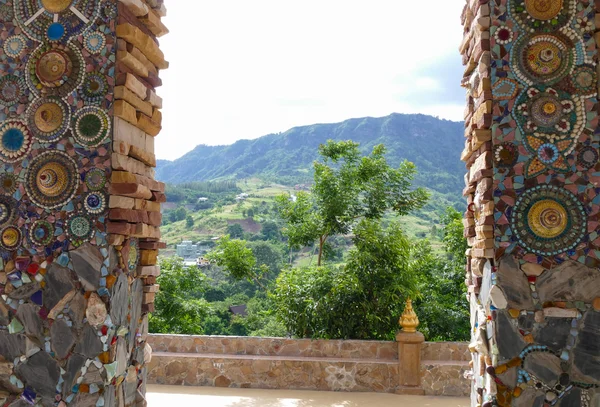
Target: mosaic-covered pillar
(533, 191)
(79, 206)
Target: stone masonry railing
(303, 364)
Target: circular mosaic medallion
(548, 153)
(95, 202)
(550, 112)
(56, 6)
(503, 35)
(6, 12)
(52, 179)
(15, 141)
(8, 183)
(95, 179)
(543, 9)
(55, 32)
(548, 220)
(109, 12)
(547, 110)
(55, 69)
(94, 87)
(505, 155)
(91, 126)
(584, 81)
(14, 46)
(12, 90)
(49, 118)
(47, 19)
(10, 238)
(545, 58)
(80, 229)
(94, 42)
(41, 233)
(587, 157)
(8, 210)
(542, 15)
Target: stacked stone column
(532, 189)
(79, 206)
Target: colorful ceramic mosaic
(532, 188)
(551, 57)
(73, 318)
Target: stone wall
(532, 140)
(278, 363)
(79, 208)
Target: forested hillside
(434, 145)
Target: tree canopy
(347, 187)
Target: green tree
(213, 325)
(236, 258)
(235, 230)
(443, 309)
(269, 255)
(270, 231)
(361, 300)
(179, 306)
(189, 222)
(347, 187)
(178, 214)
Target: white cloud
(242, 69)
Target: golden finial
(409, 321)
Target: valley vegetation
(335, 257)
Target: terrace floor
(161, 396)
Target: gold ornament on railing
(409, 321)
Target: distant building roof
(239, 310)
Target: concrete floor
(179, 396)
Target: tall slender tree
(347, 187)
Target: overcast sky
(241, 69)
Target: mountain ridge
(433, 144)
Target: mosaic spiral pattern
(544, 10)
(94, 42)
(52, 179)
(49, 118)
(41, 233)
(94, 88)
(584, 81)
(57, 70)
(12, 90)
(8, 183)
(548, 220)
(95, 179)
(80, 229)
(587, 157)
(542, 15)
(10, 238)
(95, 202)
(15, 46)
(91, 126)
(15, 141)
(545, 58)
(551, 121)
